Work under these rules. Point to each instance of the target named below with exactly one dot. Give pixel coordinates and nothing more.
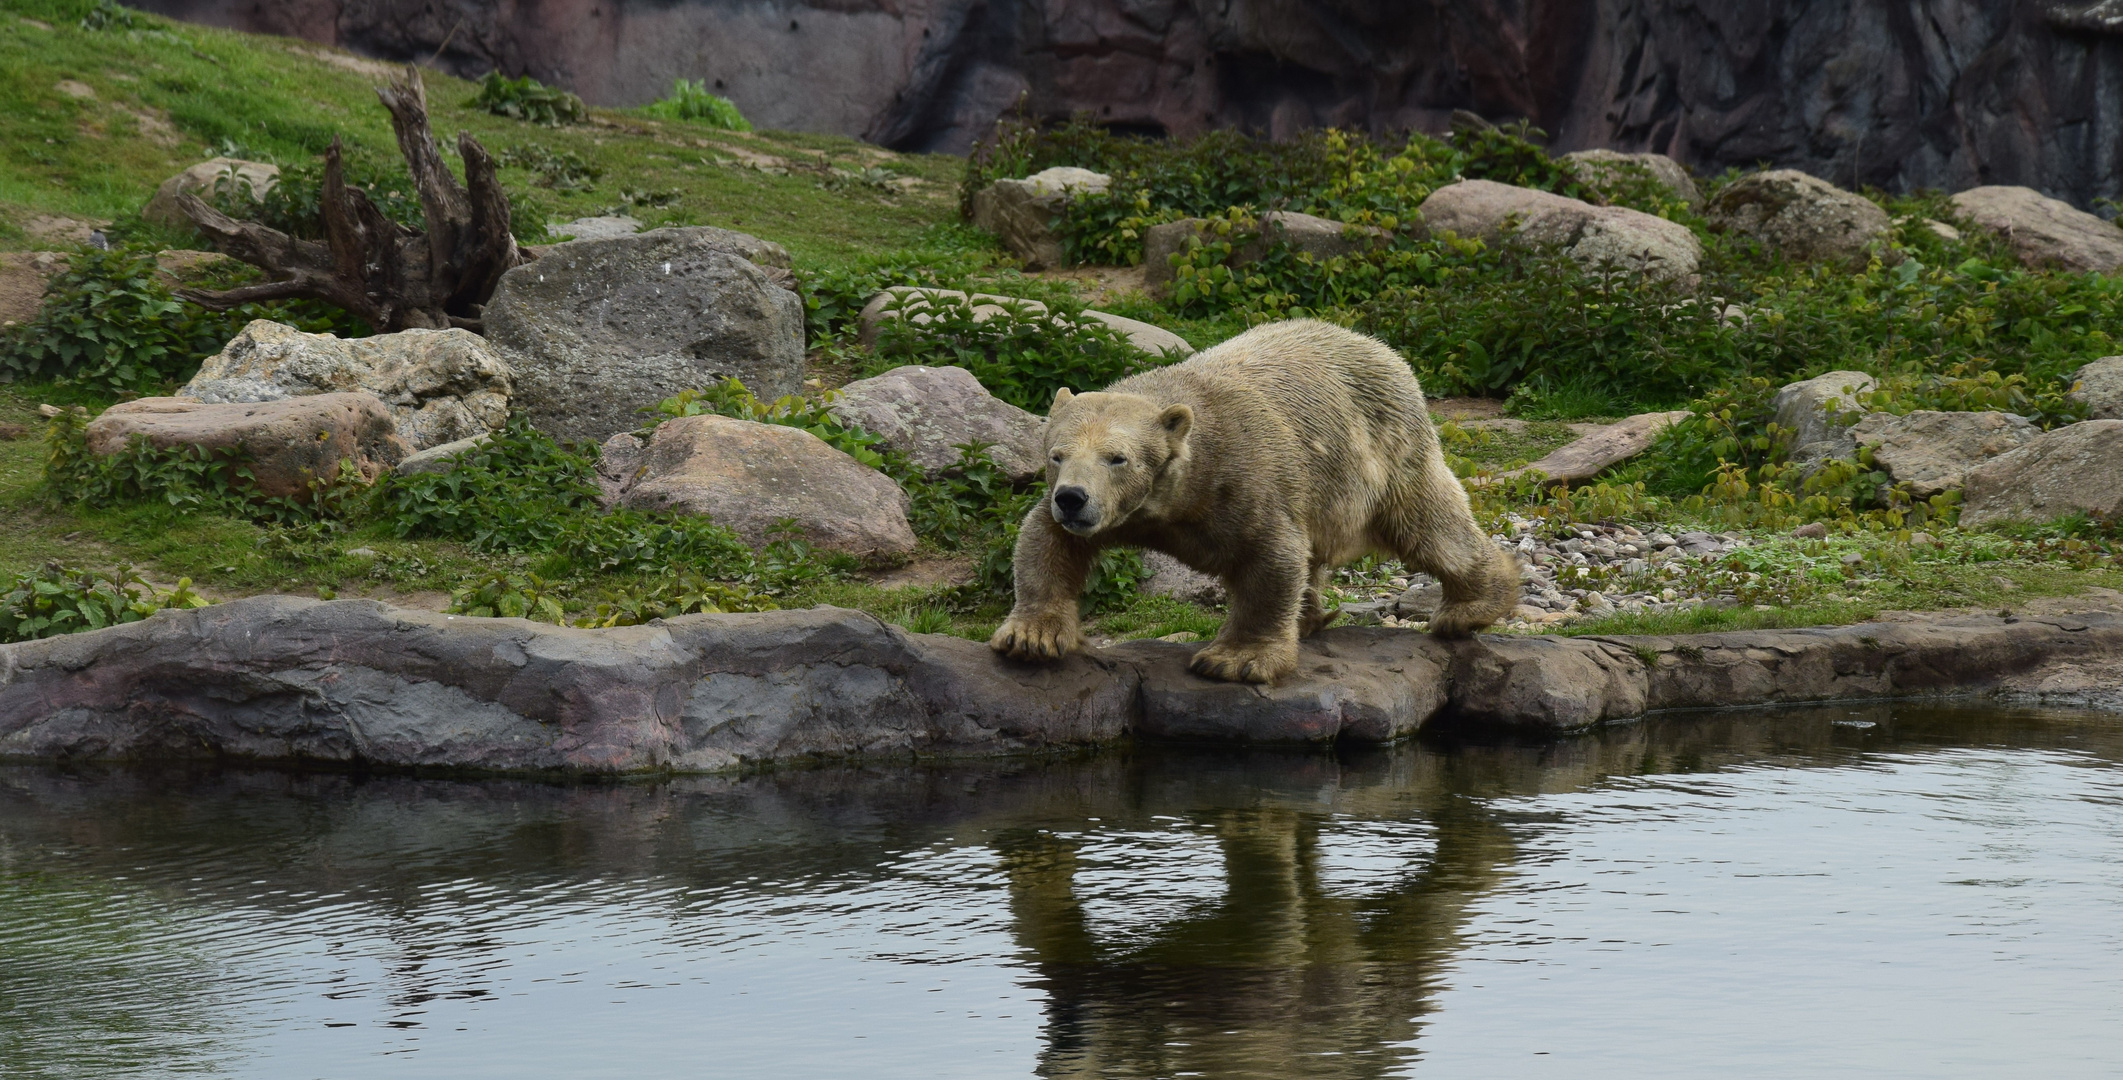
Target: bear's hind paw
(1462, 620)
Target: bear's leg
(1428, 523)
(1049, 568)
(1258, 643)
(1313, 616)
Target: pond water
(1884, 891)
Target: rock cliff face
(1898, 93)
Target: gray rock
(1595, 237)
(1604, 169)
(599, 330)
(750, 477)
(595, 228)
(256, 176)
(925, 412)
(1806, 218)
(440, 385)
(1818, 413)
(1173, 578)
(287, 444)
(286, 679)
(2099, 386)
(1419, 601)
(919, 306)
(2044, 233)
(438, 459)
(1933, 451)
(1315, 236)
(619, 463)
(2075, 469)
(1022, 212)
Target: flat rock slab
(1602, 448)
(2044, 233)
(2074, 469)
(355, 682)
(918, 306)
(926, 413)
(288, 443)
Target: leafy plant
(1021, 354)
(562, 170)
(690, 100)
(107, 15)
(509, 596)
(528, 100)
(672, 596)
(730, 398)
(294, 203)
(55, 599)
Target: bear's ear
(1177, 420)
(1061, 398)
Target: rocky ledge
(358, 683)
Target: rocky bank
(358, 683)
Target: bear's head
(1107, 455)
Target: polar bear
(1267, 461)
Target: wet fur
(1305, 447)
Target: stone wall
(1896, 93)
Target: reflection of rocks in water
(1232, 913)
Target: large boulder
(2099, 386)
(750, 477)
(1932, 452)
(596, 331)
(1318, 237)
(2076, 469)
(1804, 217)
(256, 176)
(2045, 233)
(1022, 212)
(925, 412)
(1817, 413)
(919, 306)
(286, 444)
(440, 385)
(1595, 237)
(1609, 169)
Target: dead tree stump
(392, 276)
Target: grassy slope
(167, 95)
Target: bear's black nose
(1070, 500)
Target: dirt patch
(79, 91)
(154, 127)
(1466, 408)
(11, 432)
(23, 275)
(1099, 283)
(58, 229)
(359, 65)
(927, 574)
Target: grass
(92, 120)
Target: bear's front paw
(1038, 636)
(1245, 663)
(1463, 620)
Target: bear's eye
(1116, 459)
(1057, 457)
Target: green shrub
(690, 100)
(112, 323)
(564, 170)
(1020, 354)
(56, 599)
(294, 204)
(528, 100)
(672, 596)
(948, 256)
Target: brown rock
(2045, 233)
(2099, 386)
(750, 477)
(1595, 237)
(1316, 236)
(925, 412)
(1804, 217)
(11, 432)
(1933, 451)
(200, 179)
(287, 443)
(1604, 169)
(1022, 212)
(1595, 453)
(919, 305)
(2076, 469)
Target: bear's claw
(1233, 663)
(1037, 637)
